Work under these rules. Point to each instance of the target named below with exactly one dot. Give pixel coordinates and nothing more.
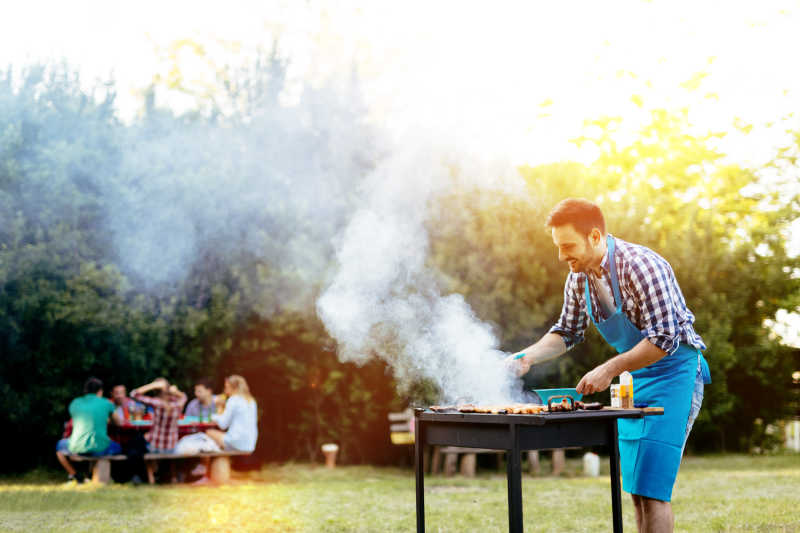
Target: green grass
(714, 493)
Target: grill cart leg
(616, 504)
(514, 475)
(419, 453)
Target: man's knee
(652, 504)
(644, 503)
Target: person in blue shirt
(204, 403)
(126, 406)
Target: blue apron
(650, 448)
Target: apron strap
(612, 267)
(614, 282)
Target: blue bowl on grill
(546, 394)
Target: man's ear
(597, 236)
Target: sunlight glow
(520, 77)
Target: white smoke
(266, 192)
(384, 299)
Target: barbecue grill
(516, 433)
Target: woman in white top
(240, 419)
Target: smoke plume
(261, 193)
(384, 299)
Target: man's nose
(561, 256)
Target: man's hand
(597, 380)
(518, 366)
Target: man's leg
(637, 505)
(65, 463)
(150, 466)
(657, 516)
(61, 447)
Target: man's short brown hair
(582, 214)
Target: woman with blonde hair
(239, 420)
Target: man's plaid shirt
(652, 300)
(164, 434)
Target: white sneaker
(199, 470)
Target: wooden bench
(559, 461)
(401, 430)
(101, 467)
(469, 459)
(219, 468)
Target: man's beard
(583, 265)
(579, 266)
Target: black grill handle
(571, 401)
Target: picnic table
(186, 425)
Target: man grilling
(631, 295)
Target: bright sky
(517, 78)
(528, 73)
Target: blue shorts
(697, 401)
(113, 448)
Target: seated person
(90, 414)
(240, 418)
(167, 407)
(125, 406)
(204, 403)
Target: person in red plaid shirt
(168, 406)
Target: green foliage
(63, 311)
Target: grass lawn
(714, 493)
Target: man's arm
(158, 383)
(643, 354)
(117, 418)
(565, 333)
(138, 393)
(178, 396)
(548, 347)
